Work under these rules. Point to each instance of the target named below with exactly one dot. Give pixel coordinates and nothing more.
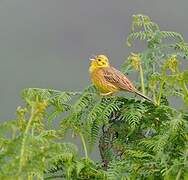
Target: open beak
(92, 58)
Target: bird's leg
(107, 94)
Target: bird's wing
(118, 79)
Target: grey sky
(46, 43)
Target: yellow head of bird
(98, 61)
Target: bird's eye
(99, 59)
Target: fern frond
(119, 170)
(182, 47)
(99, 116)
(158, 143)
(8, 127)
(170, 34)
(137, 154)
(88, 97)
(148, 143)
(143, 22)
(176, 125)
(133, 114)
(94, 122)
(138, 35)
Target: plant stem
(22, 158)
(160, 92)
(56, 91)
(179, 174)
(32, 131)
(184, 87)
(84, 145)
(142, 79)
(154, 97)
(30, 177)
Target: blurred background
(47, 43)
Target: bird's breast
(98, 79)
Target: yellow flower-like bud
(135, 60)
(21, 111)
(41, 106)
(172, 63)
(21, 116)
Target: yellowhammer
(109, 80)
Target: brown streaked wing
(118, 79)
(100, 81)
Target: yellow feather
(108, 79)
(97, 77)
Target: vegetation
(136, 139)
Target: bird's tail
(142, 95)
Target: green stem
(179, 174)
(160, 92)
(13, 133)
(84, 145)
(22, 158)
(142, 79)
(184, 87)
(154, 97)
(30, 177)
(32, 131)
(56, 91)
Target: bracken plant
(135, 139)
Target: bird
(108, 80)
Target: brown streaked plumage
(108, 79)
